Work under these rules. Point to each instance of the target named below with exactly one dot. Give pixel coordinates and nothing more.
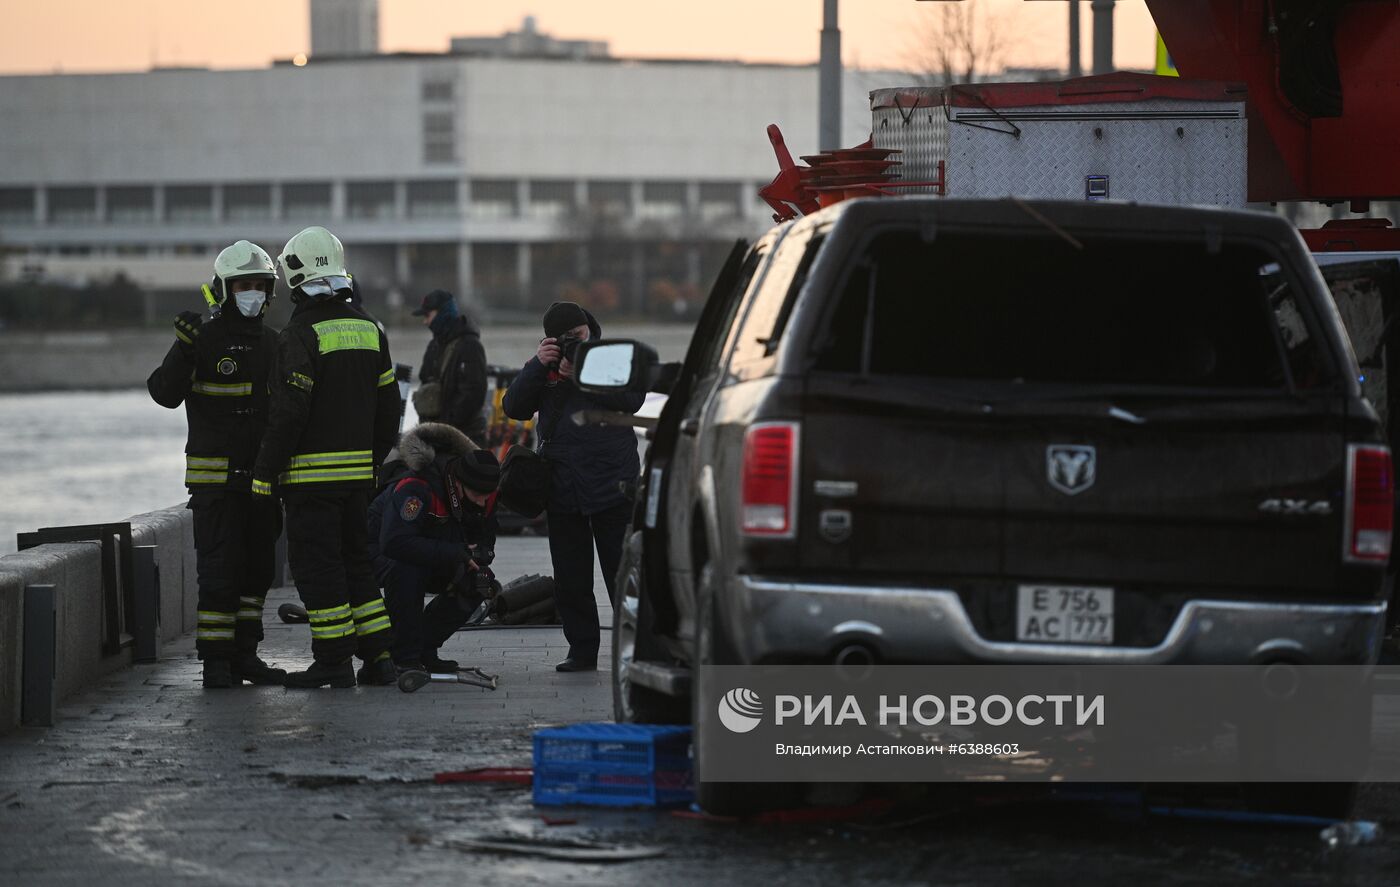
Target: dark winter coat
(463, 380)
(589, 461)
(411, 520)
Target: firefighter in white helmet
(335, 416)
(218, 368)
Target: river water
(80, 457)
(91, 457)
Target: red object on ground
(558, 820)
(517, 775)
(703, 816)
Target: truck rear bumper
(783, 621)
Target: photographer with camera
(588, 464)
(432, 530)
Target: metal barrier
(145, 612)
(40, 662)
(118, 574)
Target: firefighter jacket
(411, 520)
(221, 376)
(334, 405)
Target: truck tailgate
(943, 498)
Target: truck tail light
(769, 494)
(1370, 508)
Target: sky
(43, 36)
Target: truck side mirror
(609, 365)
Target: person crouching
(432, 530)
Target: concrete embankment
(80, 653)
(77, 360)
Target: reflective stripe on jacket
(334, 410)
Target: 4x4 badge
(1070, 468)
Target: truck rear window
(1037, 309)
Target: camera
(484, 556)
(568, 346)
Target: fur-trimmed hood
(425, 442)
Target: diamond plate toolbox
(1120, 138)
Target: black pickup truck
(938, 431)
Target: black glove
(187, 324)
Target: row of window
(368, 200)
(177, 251)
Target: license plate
(1064, 614)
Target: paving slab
(148, 776)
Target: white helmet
(314, 263)
(242, 261)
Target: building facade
(515, 181)
(344, 27)
(531, 42)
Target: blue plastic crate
(613, 765)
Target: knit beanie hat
(478, 470)
(562, 317)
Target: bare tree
(958, 42)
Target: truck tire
(633, 704)
(1334, 800)
(711, 648)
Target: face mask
(250, 302)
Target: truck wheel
(722, 798)
(1259, 746)
(633, 704)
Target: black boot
(248, 667)
(432, 663)
(322, 674)
(578, 664)
(218, 674)
(379, 673)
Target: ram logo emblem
(1070, 468)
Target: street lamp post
(829, 117)
(1103, 36)
(1075, 68)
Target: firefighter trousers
(235, 542)
(327, 549)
